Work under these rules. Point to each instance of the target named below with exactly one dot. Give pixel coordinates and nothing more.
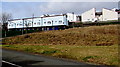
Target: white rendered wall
(109, 15)
(55, 21)
(71, 17)
(88, 15)
(11, 25)
(19, 23)
(37, 22)
(28, 22)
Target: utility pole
(32, 19)
(5, 28)
(23, 26)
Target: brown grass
(95, 35)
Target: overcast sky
(27, 9)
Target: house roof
(35, 17)
(52, 16)
(13, 19)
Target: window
(29, 24)
(20, 24)
(38, 23)
(55, 21)
(35, 23)
(26, 21)
(60, 21)
(12, 25)
(49, 22)
(44, 22)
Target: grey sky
(26, 9)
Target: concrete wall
(109, 15)
(88, 15)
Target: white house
(55, 20)
(37, 22)
(28, 22)
(88, 15)
(109, 15)
(71, 17)
(17, 23)
(106, 15)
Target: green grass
(106, 55)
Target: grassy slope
(103, 35)
(67, 44)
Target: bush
(16, 32)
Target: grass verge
(105, 55)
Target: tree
(4, 17)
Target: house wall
(37, 22)
(28, 22)
(11, 25)
(18, 23)
(88, 15)
(54, 21)
(47, 21)
(71, 17)
(109, 15)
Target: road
(30, 60)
